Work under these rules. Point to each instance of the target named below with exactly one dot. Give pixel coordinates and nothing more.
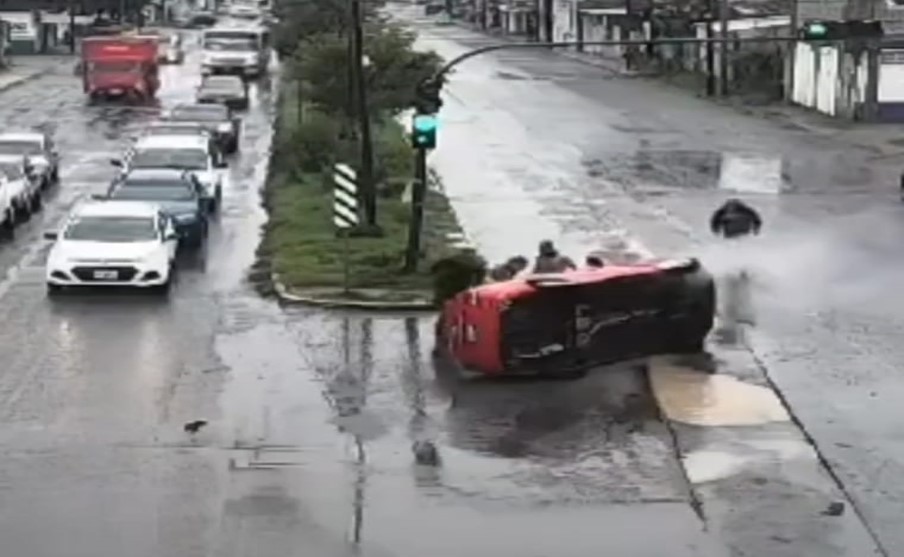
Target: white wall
(564, 20)
(891, 76)
(816, 77)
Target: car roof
(22, 136)
(164, 141)
(155, 174)
(116, 209)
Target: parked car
(216, 118)
(22, 186)
(40, 149)
(178, 192)
(194, 154)
(565, 323)
(229, 90)
(113, 243)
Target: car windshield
(9, 147)
(210, 113)
(230, 43)
(176, 130)
(112, 229)
(222, 86)
(11, 171)
(188, 159)
(153, 192)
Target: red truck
(120, 66)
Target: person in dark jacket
(735, 219)
(549, 260)
(509, 269)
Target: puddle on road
(692, 397)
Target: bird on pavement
(195, 426)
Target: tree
(302, 20)
(394, 69)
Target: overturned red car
(563, 324)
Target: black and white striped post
(345, 208)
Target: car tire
(54, 289)
(8, 228)
(22, 213)
(37, 202)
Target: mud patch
(688, 396)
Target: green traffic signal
(816, 31)
(423, 131)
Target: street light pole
(366, 173)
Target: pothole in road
(688, 396)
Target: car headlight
(224, 128)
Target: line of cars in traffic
(168, 187)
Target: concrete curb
(283, 294)
(22, 80)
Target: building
(861, 81)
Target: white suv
(113, 243)
(21, 186)
(197, 154)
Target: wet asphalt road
(311, 414)
(568, 151)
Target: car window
(12, 171)
(208, 113)
(111, 229)
(188, 159)
(19, 147)
(157, 192)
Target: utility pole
(790, 75)
(710, 50)
(366, 172)
(418, 195)
(72, 26)
(724, 19)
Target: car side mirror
(51, 235)
(116, 162)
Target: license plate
(116, 91)
(106, 275)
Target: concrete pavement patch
(329, 298)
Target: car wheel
(23, 213)
(165, 288)
(37, 202)
(54, 289)
(8, 228)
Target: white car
(196, 154)
(40, 150)
(113, 243)
(21, 186)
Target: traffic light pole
(418, 197)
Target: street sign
(345, 196)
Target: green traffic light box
(423, 131)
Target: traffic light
(423, 131)
(815, 31)
(854, 30)
(427, 97)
